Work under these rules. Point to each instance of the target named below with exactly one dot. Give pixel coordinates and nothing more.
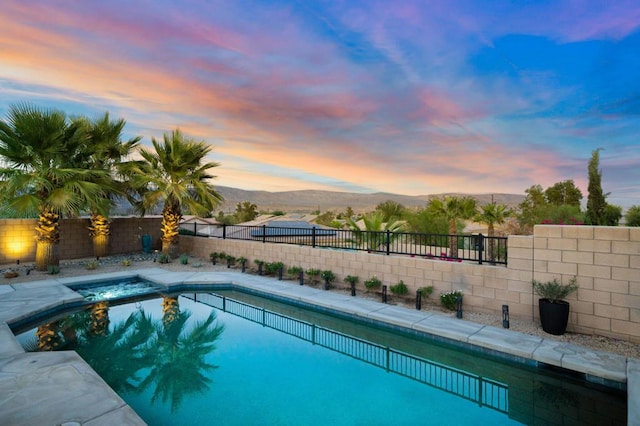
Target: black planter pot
(554, 316)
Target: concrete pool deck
(60, 388)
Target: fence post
(224, 231)
(264, 233)
(480, 248)
(195, 229)
(388, 241)
(313, 236)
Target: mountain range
(306, 201)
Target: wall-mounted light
(459, 307)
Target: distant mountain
(306, 201)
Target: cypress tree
(596, 203)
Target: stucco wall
(605, 261)
(17, 237)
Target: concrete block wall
(604, 260)
(17, 237)
(606, 263)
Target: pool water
(256, 367)
(115, 289)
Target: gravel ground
(139, 260)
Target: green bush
(372, 283)
(399, 289)
(91, 265)
(126, 262)
(53, 269)
(448, 299)
(313, 274)
(351, 279)
(553, 290)
(163, 258)
(184, 259)
(272, 268)
(426, 291)
(328, 276)
(294, 271)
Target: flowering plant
(449, 298)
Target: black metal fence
(481, 390)
(457, 248)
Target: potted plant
(554, 310)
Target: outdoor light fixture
(505, 316)
(301, 277)
(18, 262)
(459, 307)
(353, 288)
(384, 294)
(419, 299)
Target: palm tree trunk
(170, 311)
(453, 239)
(100, 319)
(171, 217)
(491, 232)
(48, 337)
(47, 239)
(100, 230)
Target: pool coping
(21, 300)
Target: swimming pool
(264, 362)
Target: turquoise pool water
(257, 367)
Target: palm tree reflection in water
(141, 353)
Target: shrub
(272, 268)
(91, 265)
(351, 279)
(372, 282)
(53, 269)
(426, 291)
(184, 259)
(294, 271)
(553, 290)
(126, 262)
(399, 289)
(196, 265)
(328, 276)
(448, 299)
(313, 274)
(163, 258)
(242, 260)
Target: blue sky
(409, 97)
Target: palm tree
(375, 229)
(453, 209)
(175, 174)
(106, 152)
(493, 214)
(40, 149)
(179, 365)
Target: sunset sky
(409, 97)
